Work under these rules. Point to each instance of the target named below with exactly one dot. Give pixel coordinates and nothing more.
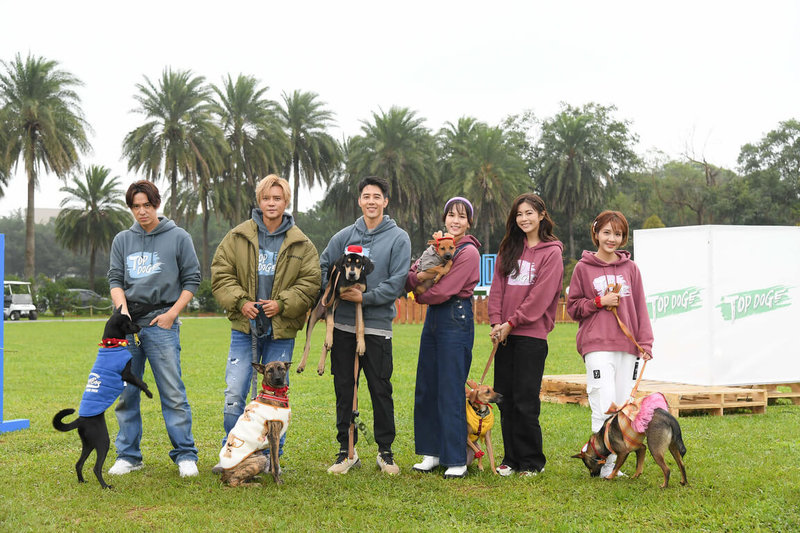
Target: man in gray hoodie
(389, 249)
(153, 274)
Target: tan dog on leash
(480, 419)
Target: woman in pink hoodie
(612, 360)
(445, 351)
(522, 310)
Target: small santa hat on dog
(354, 249)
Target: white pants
(610, 376)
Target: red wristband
(597, 303)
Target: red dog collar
(278, 395)
(113, 343)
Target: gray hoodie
(154, 267)
(389, 248)
(269, 244)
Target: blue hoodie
(153, 267)
(389, 249)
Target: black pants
(377, 366)
(518, 370)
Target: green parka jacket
(296, 285)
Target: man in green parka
(264, 262)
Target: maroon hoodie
(461, 279)
(598, 329)
(529, 300)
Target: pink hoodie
(460, 281)
(598, 329)
(530, 300)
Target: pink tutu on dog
(649, 404)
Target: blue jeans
(239, 372)
(445, 355)
(162, 348)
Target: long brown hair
(514, 241)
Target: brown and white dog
(260, 427)
(435, 261)
(349, 271)
(480, 419)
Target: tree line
(211, 143)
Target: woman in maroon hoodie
(522, 310)
(445, 351)
(612, 360)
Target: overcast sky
(706, 77)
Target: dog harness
(249, 434)
(634, 419)
(478, 427)
(105, 382)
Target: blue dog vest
(105, 381)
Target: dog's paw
(361, 348)
(148, 393)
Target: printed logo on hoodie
(266, 262)
(526, 274)
(602, 283)
(143, 264)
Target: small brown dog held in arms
(624, 432)
(349, 272)
(435, 261)
(480, 419)
(260, 426)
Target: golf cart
(18, 301)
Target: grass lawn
(743, 469)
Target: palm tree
(252, 128)
(178, 125)
(396, 146)
(484, 166)
(98, 216)
(579, 152)
(315, 155)
(42, 124)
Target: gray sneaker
(342, 465)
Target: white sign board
(724, 302)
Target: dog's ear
(339, 264)
(287, 364)
(258, 367)
(118, 310)
(472, 384)
(369, 266)
(577, 456)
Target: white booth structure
(724, 302)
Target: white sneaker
(504, 470)
(342, 465)
(455, 472)
(187, 468)
(429, 462)
(121, 466)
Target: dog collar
(594, 448)
(278, 395)
(113, 343)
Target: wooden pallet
(571, 388)
(774, 393)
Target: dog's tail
(60, 425)
(677, 436)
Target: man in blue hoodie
(389, 249)
(265, 261)
(153, 274)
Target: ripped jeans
(238, 373)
